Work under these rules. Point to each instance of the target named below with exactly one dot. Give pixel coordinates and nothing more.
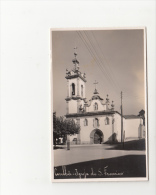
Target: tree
(55, 129)
(63, 127)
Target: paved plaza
(83, 153)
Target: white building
(99, 122)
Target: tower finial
(95, 91)
(112, 105)
(75, 51)
(107, 99)
(75, 61)
(95, 83)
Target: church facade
(99, 121)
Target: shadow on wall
(131, 145)
(112, 139)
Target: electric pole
(121, 120)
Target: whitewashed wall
(132, 126)
(72, 106)
(86, 130)
(82, 83)
(100, 106)
(118, 126)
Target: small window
(96, 122)
(95, 106)
(85, 122)
(107, 121)
(113, 120)
(73, 89)
(82, 90)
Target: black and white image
(99, 110)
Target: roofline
(90, 114)
(74, 98)
(76, 76)
(132, 117)
(109, 112)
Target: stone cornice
(90, 114)
(95, 97)
(75, 76)
(74, 98)
(110, 112)
(131, 117)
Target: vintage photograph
(99, 110)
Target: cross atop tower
(95, 84)
(95, 92)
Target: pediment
(97, 98)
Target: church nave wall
(87, 129)
(100, 107)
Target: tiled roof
(131, 116)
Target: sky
(114, 58)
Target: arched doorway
(96, 136)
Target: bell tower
(75, 87)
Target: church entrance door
(96, 136)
